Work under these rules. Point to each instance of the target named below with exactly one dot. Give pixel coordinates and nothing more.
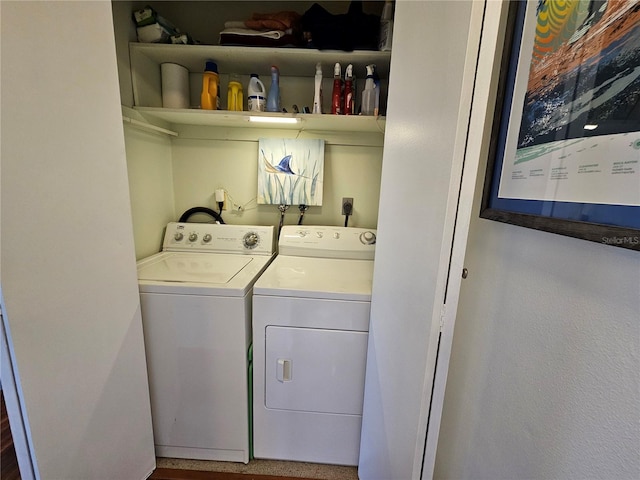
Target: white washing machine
(196, 313)
(310, 326)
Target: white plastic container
(317, 96)
(256, 94)
(175, 85)
(386, 27)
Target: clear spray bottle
(370, 92)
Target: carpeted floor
(173, 474)
(179, 469)
(258, 469)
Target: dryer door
(315, 370)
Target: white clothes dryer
(310, 327)
(196, 312)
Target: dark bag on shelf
(354, 30)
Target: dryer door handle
(283, 370)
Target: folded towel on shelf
(258, 38)
(272, 34)
(263, 30)
(273, 21)
(234, 24)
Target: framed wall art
(290, 171)
(565, 143)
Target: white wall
(169, 176)
(71, 307)
(202, 164)
(149, 161)
(150, 173)
(544, 379)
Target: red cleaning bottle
(336, 97)
(349, 91)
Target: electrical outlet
(347, 205)
(220, 195)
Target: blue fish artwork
(282, 167)
(290, 171)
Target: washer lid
(186, 267)
(192, 273)
(308, 277)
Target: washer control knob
(368, 238)
(206, 238)
(251, 240)
(178, 236)
(193, 237)
(336, 235)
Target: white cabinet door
(419, 253)
(69, 289)
(315, 370)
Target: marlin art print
(290, 171)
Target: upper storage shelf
(297, 69)
(224, 118)
(296, 62)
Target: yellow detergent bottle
(234, 95)
(210, 97)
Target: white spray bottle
(369, 93)
(317, 97)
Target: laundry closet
(181, 158)
(178, 158)
(187, 155)
(65, 180)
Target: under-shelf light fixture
(590, 126)
(282, 120)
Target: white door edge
(21, 441)
(475, 114)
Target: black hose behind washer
(185, 216)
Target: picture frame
(290, 171)
(557, 162)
